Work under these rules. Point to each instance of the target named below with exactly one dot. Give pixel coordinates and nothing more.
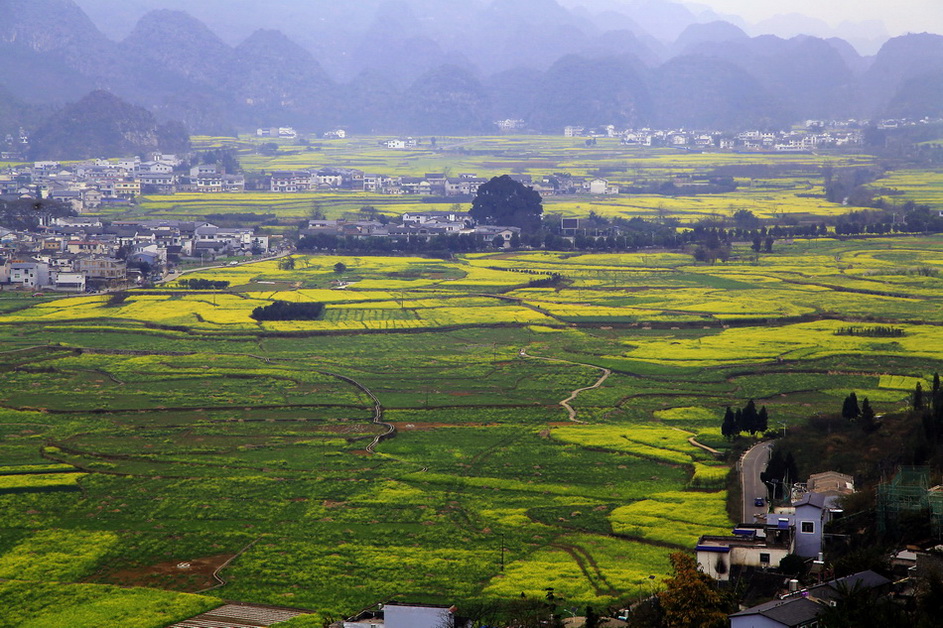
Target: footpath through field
(566, 402)
(377, 411)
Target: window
(808, 527)
(764, 558)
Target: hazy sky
(899, 16)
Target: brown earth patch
(177, 575)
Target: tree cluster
(202, 284)
(288, 311)
(864, 413)
(25, 214)
(746, 419)
(882, 331)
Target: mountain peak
(100, 124)
(175, 39)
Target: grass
(193, 432)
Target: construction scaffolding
(935, 499)
(908, 492)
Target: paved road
(752, 464)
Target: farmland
(169, 427)
(771, 186)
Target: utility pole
(502, 551)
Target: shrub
(203, 284)
(288, 311)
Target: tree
(690, 599)
(729, 427)
(497, 242)
(340, 267)
(745, 219)
(592, 618)
(750, 417)
(286, 263)
(316, 212)
(504, 201)
(762, 420)
(918, 396)
(850, 409)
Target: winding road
(566, 402)
(751, 465)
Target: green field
(194, 433)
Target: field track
(571, 411)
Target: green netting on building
(935, 499)
(908, 492)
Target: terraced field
(170, 428)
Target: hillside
(365, 65)
(102, 124)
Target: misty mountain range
(446, 66)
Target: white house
(601, 186)
(395, 615)
(29, 274)
(752, 546)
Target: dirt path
(377, 411)
(219, 579)
(697, 444)
(566, 402)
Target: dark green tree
(850, 409)
(592, 618)
(729, 427)
(504, 201)
(918, 396)
(762, 420)
(340, 267)
(750, 417)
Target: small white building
(395, 615)
(601, 186)
(68, 282)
